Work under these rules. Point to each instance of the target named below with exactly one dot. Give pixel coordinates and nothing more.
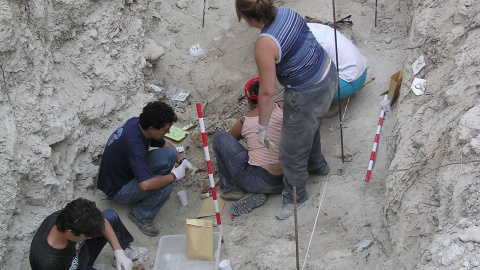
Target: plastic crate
(172, 254)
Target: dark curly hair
(260, 10)
(156, 114)
(254, 89)
(82, 217)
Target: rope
(316, 219)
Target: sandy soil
(342, 210)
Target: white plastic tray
(172, 254)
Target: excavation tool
(209, 166)
(375, 143)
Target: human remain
(287, 51)
(72, 239)
(352, 66)
(255, 170)
(132, 172)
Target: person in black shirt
(72, 239)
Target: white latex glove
(179, 171)
(123, 260)
(262, 133)
(187, 164)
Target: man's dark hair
(156, 114)
(82, 217)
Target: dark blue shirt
(125, 158)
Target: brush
(269, 145)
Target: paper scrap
(419, 86)
(187, 127)
(418, 64)
(177, 93)
(364, 243)
(392, 87)
(208, 208)
(153, 87)
(196, 51)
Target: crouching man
(72, 239)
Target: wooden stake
(203, 19)
(296, 229)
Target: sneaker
(287, 210)
(99, 266)
(322, 171)
(247, 205)
(232, 195)
(147, 228)
(134, 252)
(333, 110)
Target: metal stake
(338, 82)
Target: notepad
(176, 134)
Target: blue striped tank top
(301, 58)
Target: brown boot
(234, 195)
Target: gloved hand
(262, 133)
(123, 260)
(187, 164)
(190, 169)
(179, 172)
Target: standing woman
(286, 50)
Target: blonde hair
(260, 10)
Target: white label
(419, 86)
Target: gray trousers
(300, 147)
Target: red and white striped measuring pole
(375, 143)
(209, 166)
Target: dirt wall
(68, 67)
(432, 201)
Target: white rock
(475, 144)
(458, 31)
(93, 108)
(460, 14)
(464, 223)
(152, 51)
(471, 234)
(182, 4)
(469, 125)
(451, 254)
